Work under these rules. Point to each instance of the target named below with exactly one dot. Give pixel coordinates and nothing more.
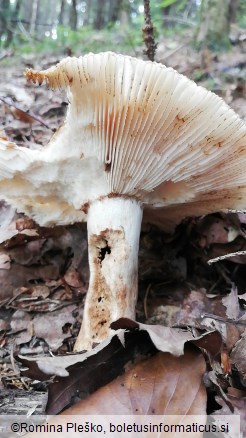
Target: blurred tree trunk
(61, 17)
(233, 10)
(125, 13)
(99, 20)
(26, 13)
(33, 20)
(16, 11)
(8, 19)
(5, 12)
(114, 10)
(73, 17)
(213, 29)
(87, 14)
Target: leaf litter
(44, 277)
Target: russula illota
(137, 136)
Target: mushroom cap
(133, 128)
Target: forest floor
(44, 272)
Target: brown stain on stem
(104, 299)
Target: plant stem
(113, 242)
(148, 33)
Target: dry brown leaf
(238, 404)
(212, 229)
(86, 372)
(19, 276)
(7, 222)
(50, 326)
(164, 339)
(172, 340)
(73, 278)
(193, 307)
(40, 291)
(238, 355)
(201, 311)
(231, 303)
(4, 261)
(162, 384)
(21, 324)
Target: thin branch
(24, 115)
(179, 20)
(226, 256)
(24, 32)
(145, 301)
(224, 320)
(148, 33)
(174, 51)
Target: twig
(224, 320)
(24, 115)
(25, 33)
(236, 211)
(10, 300)
(174, 51)
(148, 33)
(145, 301)
(178, 20)
(226, 256)
(14, 366)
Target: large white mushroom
(137, 136)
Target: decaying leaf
(238, 356)
(4, 261)
(212, 229)
(232, 305)
(159, 385)
(7, 222)
(162, 384)
(172, 340)
(50, 326)
(236, 406)
(163, 339)
(22, 327)
(82, 374)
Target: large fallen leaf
(162, 384)
(84, 373)
(165, 339)
(172, 340)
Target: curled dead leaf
(162, 384)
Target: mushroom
(137, 136)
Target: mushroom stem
(113, 240)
